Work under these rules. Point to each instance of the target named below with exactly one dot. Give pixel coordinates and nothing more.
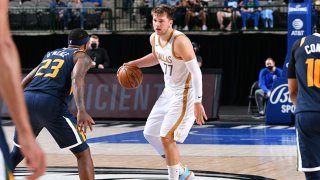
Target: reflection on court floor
(237, 135)
(213, 151)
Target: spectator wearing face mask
(99, 55)
(266, 78)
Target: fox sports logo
(297, 24)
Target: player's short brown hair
(94, 36)
(163, 9)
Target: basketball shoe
(187, 175)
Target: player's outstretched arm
(11, 92)
(82, 65)
(146, 61)
(183, 49)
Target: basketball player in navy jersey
(48, 91)
(180, 103)
(304, 89)
(11, 93)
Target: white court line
(202, 126)
(292, 128)
(241, 127)
(123, 125)
(279, 127)
(260, 127)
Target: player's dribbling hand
(199, 113)
(84, 120)
(34, 155)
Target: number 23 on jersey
(54, 65)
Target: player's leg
(6, 167)
(36, 126)
(152, 128)
(15, 153)
(308, 144)
(176, 126)
(84, 161)
(65, 132)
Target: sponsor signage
(280, 108)
(105, 98)
(299, 25)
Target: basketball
(129, 77)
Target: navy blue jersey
(304, 66)
(54, 74)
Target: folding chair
(252, 106)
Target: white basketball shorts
(172, 115)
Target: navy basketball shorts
(47, 111)
(6, 166)
(308, 141)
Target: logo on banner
(298, 8)
(280, 95)
(297, 24)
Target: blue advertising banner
(299, 25)
(280, 108)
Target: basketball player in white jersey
(180, 103)
(11, 93)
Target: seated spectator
(231, 10)
(96, 3)
(150, 5)
(99, 55)
(59, 10)
(266, 78)
(137, 4)
(102, 12)
(250, 10)
(195, 13)
(76, 12)
(180, 14)
(267, 17)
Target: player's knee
(80, 148)
(83, 154)
(167, 140)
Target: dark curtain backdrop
(241, 56)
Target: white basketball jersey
(176, 74)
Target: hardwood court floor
(270, 161)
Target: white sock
(181, 169)
(173, 172)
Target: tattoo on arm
(83, 63)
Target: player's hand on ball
(129, 76)
(199, 113)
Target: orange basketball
(129, 77)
